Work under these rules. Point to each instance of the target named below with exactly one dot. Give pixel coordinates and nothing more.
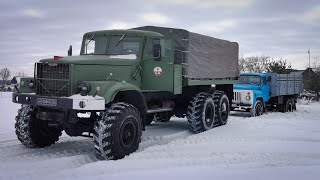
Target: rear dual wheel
(222, 107)
(290, 105)
(207, 111)
(201, 113)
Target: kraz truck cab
(124, 80)
(258, 92)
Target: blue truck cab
(258, 92)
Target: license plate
(46, 102)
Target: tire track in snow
(151, 141)
(80, 152)
(162, 133)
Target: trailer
(258, 92)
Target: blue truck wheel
(257, 110)
(289, 105)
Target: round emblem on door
(157, 71)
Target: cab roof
(254, 74)
(129, 32)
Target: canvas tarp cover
(206, 57)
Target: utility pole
(309, 62)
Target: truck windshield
(123, 45)
(249, 79)
(111, 45)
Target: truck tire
(118, 132)
(289, 106)
(294, 104)
(201, 113)
(257, 110)
(33, 132)
(222, 107)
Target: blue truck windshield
(249, 79)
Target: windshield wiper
(89, 42)
(121, 39)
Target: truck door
(157, 73)
(265, 89)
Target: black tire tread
(253, 110)
(286, 105)
(194, 113)
(105, 128)
(33, 132)
(218, 97)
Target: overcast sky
(36, 29)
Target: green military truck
(122, 81)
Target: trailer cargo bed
(285, 84)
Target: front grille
(236, 96)
(52, 79)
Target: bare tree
(5, 74)
(242, 65)
(263, 64)
(254, 64)
(278, 66)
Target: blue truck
(260, 92)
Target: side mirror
(70, 51)
(157, 52)
(269, 79)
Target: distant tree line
(263, 64)
(5, 74)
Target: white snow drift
(272, 146)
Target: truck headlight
(84, 89)
(31, 85)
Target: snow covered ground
(272, 146)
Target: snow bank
(272, 146)
(8, 111)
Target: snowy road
(273, 146)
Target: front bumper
(241, 106)
(75, 102)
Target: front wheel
(118, 132)
(257, 110)
(33, 132)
